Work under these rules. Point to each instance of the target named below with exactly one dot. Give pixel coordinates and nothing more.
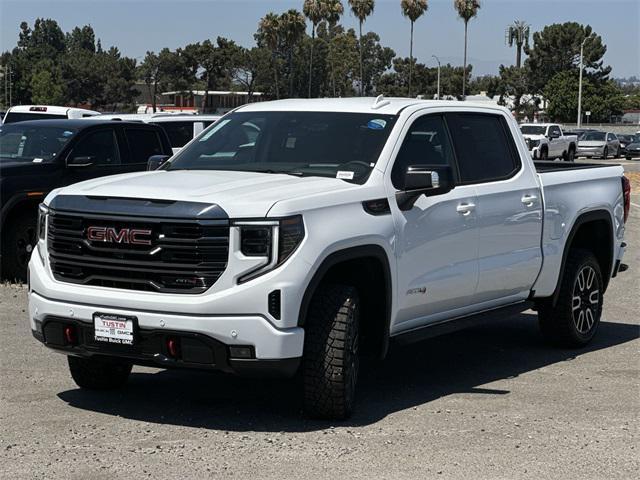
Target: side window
(179, 133)
(554, 130)
(426, 143)
(143, 143)
(484, 148)
(612, 137)
(101, 146)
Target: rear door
(143, 142)
(508, 210)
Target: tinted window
(179, 133)
(612, 137)
(143, 144)
(554, 131)
(484, 150)
(13, 117)
(426, 143)
(331, 144)
(20, 142)
(100, 147)
(593, 136)
(532, 130)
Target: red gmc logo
(124, 235)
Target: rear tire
(16, 249)
(331, 352)
(574, 320)
(98, 373)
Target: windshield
(593, 136)
(329, 144)
(532, 130)
(20, 143)
(13, 117)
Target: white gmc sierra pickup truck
(295, 236)
(548, 141)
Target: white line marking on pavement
(635, 205)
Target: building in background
(193, 101)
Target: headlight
(274, 240)
(43, 213)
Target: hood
(533, 137)
(591, 143)
(240, 194)
(14, 169)
(633, 146)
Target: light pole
(438, 60)
(579, 122)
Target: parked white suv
(300, 234)
(548, 141)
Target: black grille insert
(185, 256)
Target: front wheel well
(367, 270)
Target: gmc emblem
(124, 235)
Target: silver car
(598, 144)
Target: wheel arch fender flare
(374, 251)
(582, 219)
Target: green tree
(380, 59)
(467, 9)
(46, 89)
(413, 10)
(557, 48)
(361, 9)
(604, 99)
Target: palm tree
(361, 9)
(269, 32)
(518, 34)
(333, 12)
(292, 27)
(315, 11)
(413, 10)
(467, 9)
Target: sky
(136, 26)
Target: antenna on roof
(379, 102)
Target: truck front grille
(169, 255)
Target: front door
(437, 245)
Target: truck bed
(543, 166)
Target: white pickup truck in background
(297, 235)
(548, 141)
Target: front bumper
(589, 152)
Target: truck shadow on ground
(457, 363)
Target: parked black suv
(40, 155)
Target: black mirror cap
(156, 161)
(428, 180)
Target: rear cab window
(13, 117)
(143, 143)
(484, 147)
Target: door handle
(465, 208)
(528, 200)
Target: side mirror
(428, 180)
(156, 161)
(81, 161)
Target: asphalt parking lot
(490, 402)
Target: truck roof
(383, 105)
(49, 109)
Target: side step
(459, 323)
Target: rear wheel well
(595, 236)
(370, 276)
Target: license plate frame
(115, 329)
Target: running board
(459, 323)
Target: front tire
(17, 247)
(98, 373)
(574, 320)
(544, 154)
(331, 352)
(605, 153)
